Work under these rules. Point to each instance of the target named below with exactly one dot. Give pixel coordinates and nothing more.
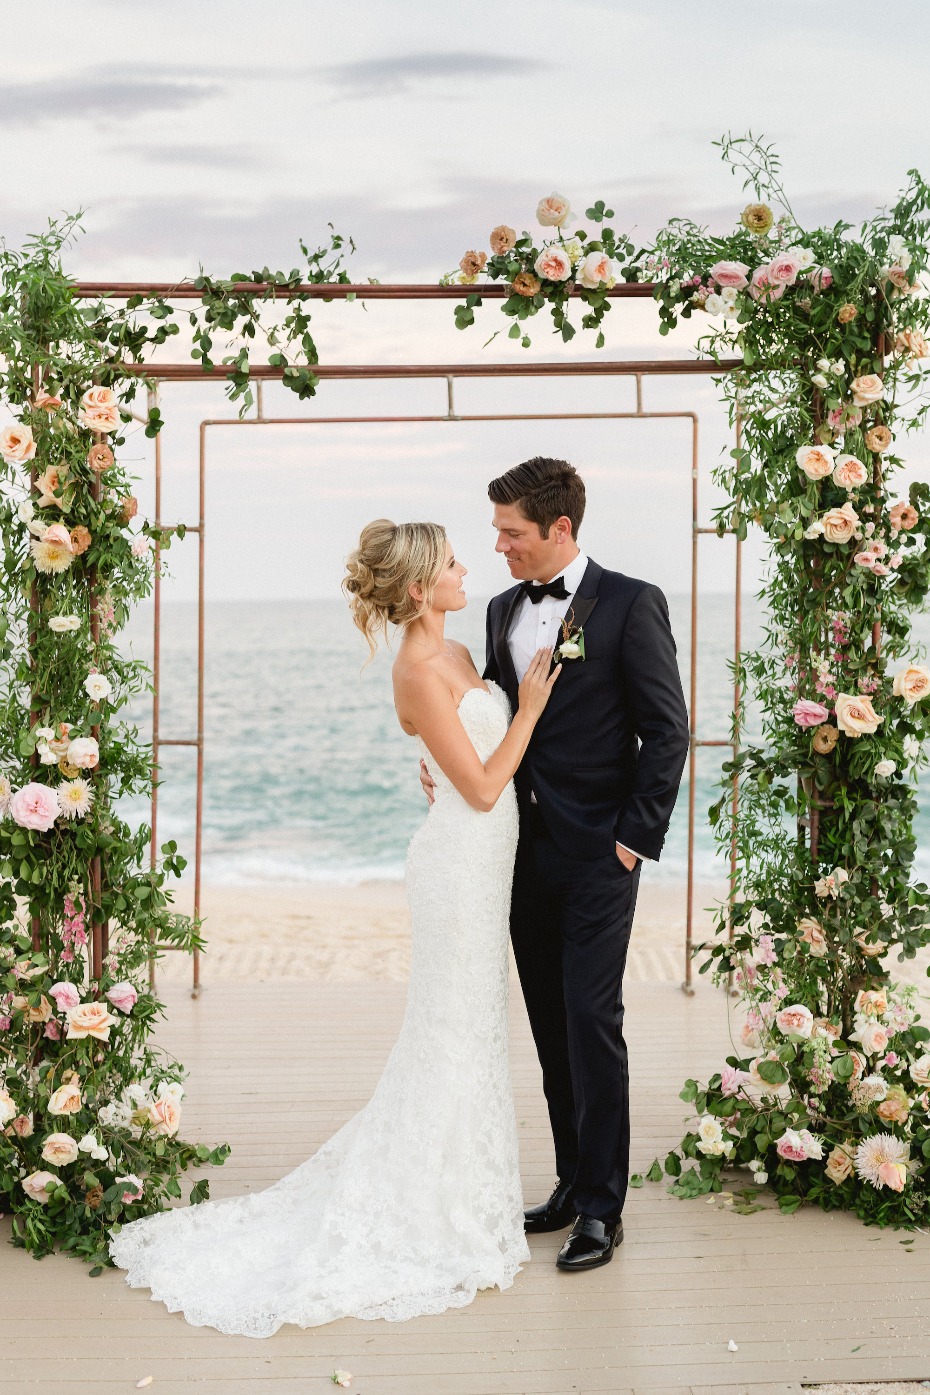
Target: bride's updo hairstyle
(389, 559)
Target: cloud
(391, 76)
(51, 99)
(203, 156)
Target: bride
(415, 1203)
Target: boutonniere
(572, 645)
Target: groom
(596, 790)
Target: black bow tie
(555, 588)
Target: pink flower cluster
(73, 930)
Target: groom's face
(529, 556)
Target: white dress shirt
(539, 627)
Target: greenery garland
(89, 1107)
(826, 1096)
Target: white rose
(803, 256)
(824, 365)
(8, 1109)
(814, 530)
(897, 250)
(838, 368)
(911, 748)
(137, 1094)
(760, 1178)
(46, 757)
(715, 304)
(819, 381)
(920, 1071)
(117, 1114)
(64, 624)
(97, 687)
(710, 1133)
(25, 512)
(885, 767)
(170, 1089)
(729, 294)
(569, 650)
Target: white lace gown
(415, 1203)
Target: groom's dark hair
(543, 490)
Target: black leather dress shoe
(590, 1243)
(554, 1214)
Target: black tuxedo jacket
(606, 757)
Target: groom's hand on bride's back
(427, 781)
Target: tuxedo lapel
(505, 615)
(585, 598)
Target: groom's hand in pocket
(428, 783)
(628, 859)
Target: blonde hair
(389, 559)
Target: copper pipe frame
(333, 290)
(450, 415)
(584, 368)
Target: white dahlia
(882, 1160)
(75, 798)
(6, 794)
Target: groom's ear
(561, 530)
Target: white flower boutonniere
(572, 645)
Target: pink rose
(133, 1186)
(783, 269)
(35, 806)
(798, 1145)
(553, 212)
(849, 473)
(879, 569)
(732, 1080)
(821, 278)
(58, 533)
(165, 1116)
(65, 995)
(141, 544)
(865, 559)
(123, 996)
(730, 274)
(553, 264)
(762, 287)
(809, 714)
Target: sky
(217, 136)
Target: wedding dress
(415, 1203)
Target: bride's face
(448, 593)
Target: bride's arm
(424, 701)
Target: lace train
(415, 1203)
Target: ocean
(309, 777)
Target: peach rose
(595, 270)
(872, 1002)
(502, 239)
(553, 212)
(40, 1012)
(812, 935)
(872, 1037)
(816, 461)
(553, 264)
(839, 1164)
(846, 313)
(895, 1107)
(66, 1099)
(735, 274)
(51, 486)
(825, 738)
(99, 397)
(872, 949)
(893, 1175)
(99, 410)
(83, 753)
(80, 539)
(840, 524)
(473, 262)
(920, 1071)
(849, 473)
(165, 1116)
(36, 1185)
(100, 458)
(912, 343)
(17, 445)
(903, 517)
(91, 1019)
(23, 1126)
(59, 1149)
(867, 389)
(795, 1020)
(525, 283)
(878, 438)
(855, 715)
(898, 277)
(911, 683)
(129, 508)
(46, 401)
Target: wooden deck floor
(276, 1067)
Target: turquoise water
(308, 776)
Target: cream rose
(855, 715)
(840, 524)
(839, 1165)
(17, 445)
(849, 473)
(165, 1115)
(872, 1037)
(816, 461)
(553, 264)
(66, 1099)
(7, 1108)
(91, 1019)
(595, 270)
(911, 683)
(920, 1071)
(83, 753)
(812, 935)
(36, 1185)
(59, 1149)
(867, 389)
(912, 343)
(553, 212)
(795, 1020)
